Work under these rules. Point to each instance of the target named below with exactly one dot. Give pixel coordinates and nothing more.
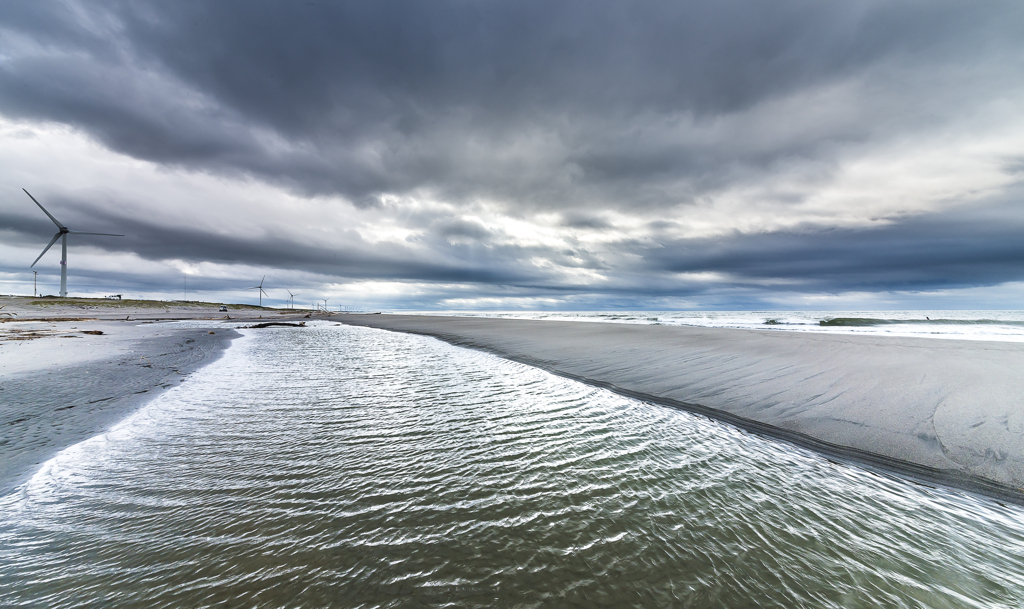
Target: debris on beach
(268, 324)
(54, 319)
(18, 334)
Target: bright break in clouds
(586, 155)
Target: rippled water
(350, 467)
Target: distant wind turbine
(260, 288)
(291, 297)
(62, 234)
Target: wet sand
(61, 383)
(62, 388)
(941, 411)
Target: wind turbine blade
(262, 280)
(59, 225)
(47, 248)
(75, 232)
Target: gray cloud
(420, 85)
(962, 248)
(579, 110)
(953, 250)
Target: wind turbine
(291, 297)
(260, 288)
(62, 234)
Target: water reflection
(354, 467)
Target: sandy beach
(70, 370)
(939, 411)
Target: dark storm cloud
(363, 97)
(581, 110)
(354, 260)
(962, 248)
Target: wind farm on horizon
(112, 301)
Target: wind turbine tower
(62, 234)
(260, 288)
(291, 297)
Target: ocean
(960, 325)
(351, 467)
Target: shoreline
(938, 412)
(66, 386)
(71, 369)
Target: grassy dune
(136, 304)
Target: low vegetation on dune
(46, 301)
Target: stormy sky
(476, 154)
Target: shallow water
(341, 466)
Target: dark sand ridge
(942, 411)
